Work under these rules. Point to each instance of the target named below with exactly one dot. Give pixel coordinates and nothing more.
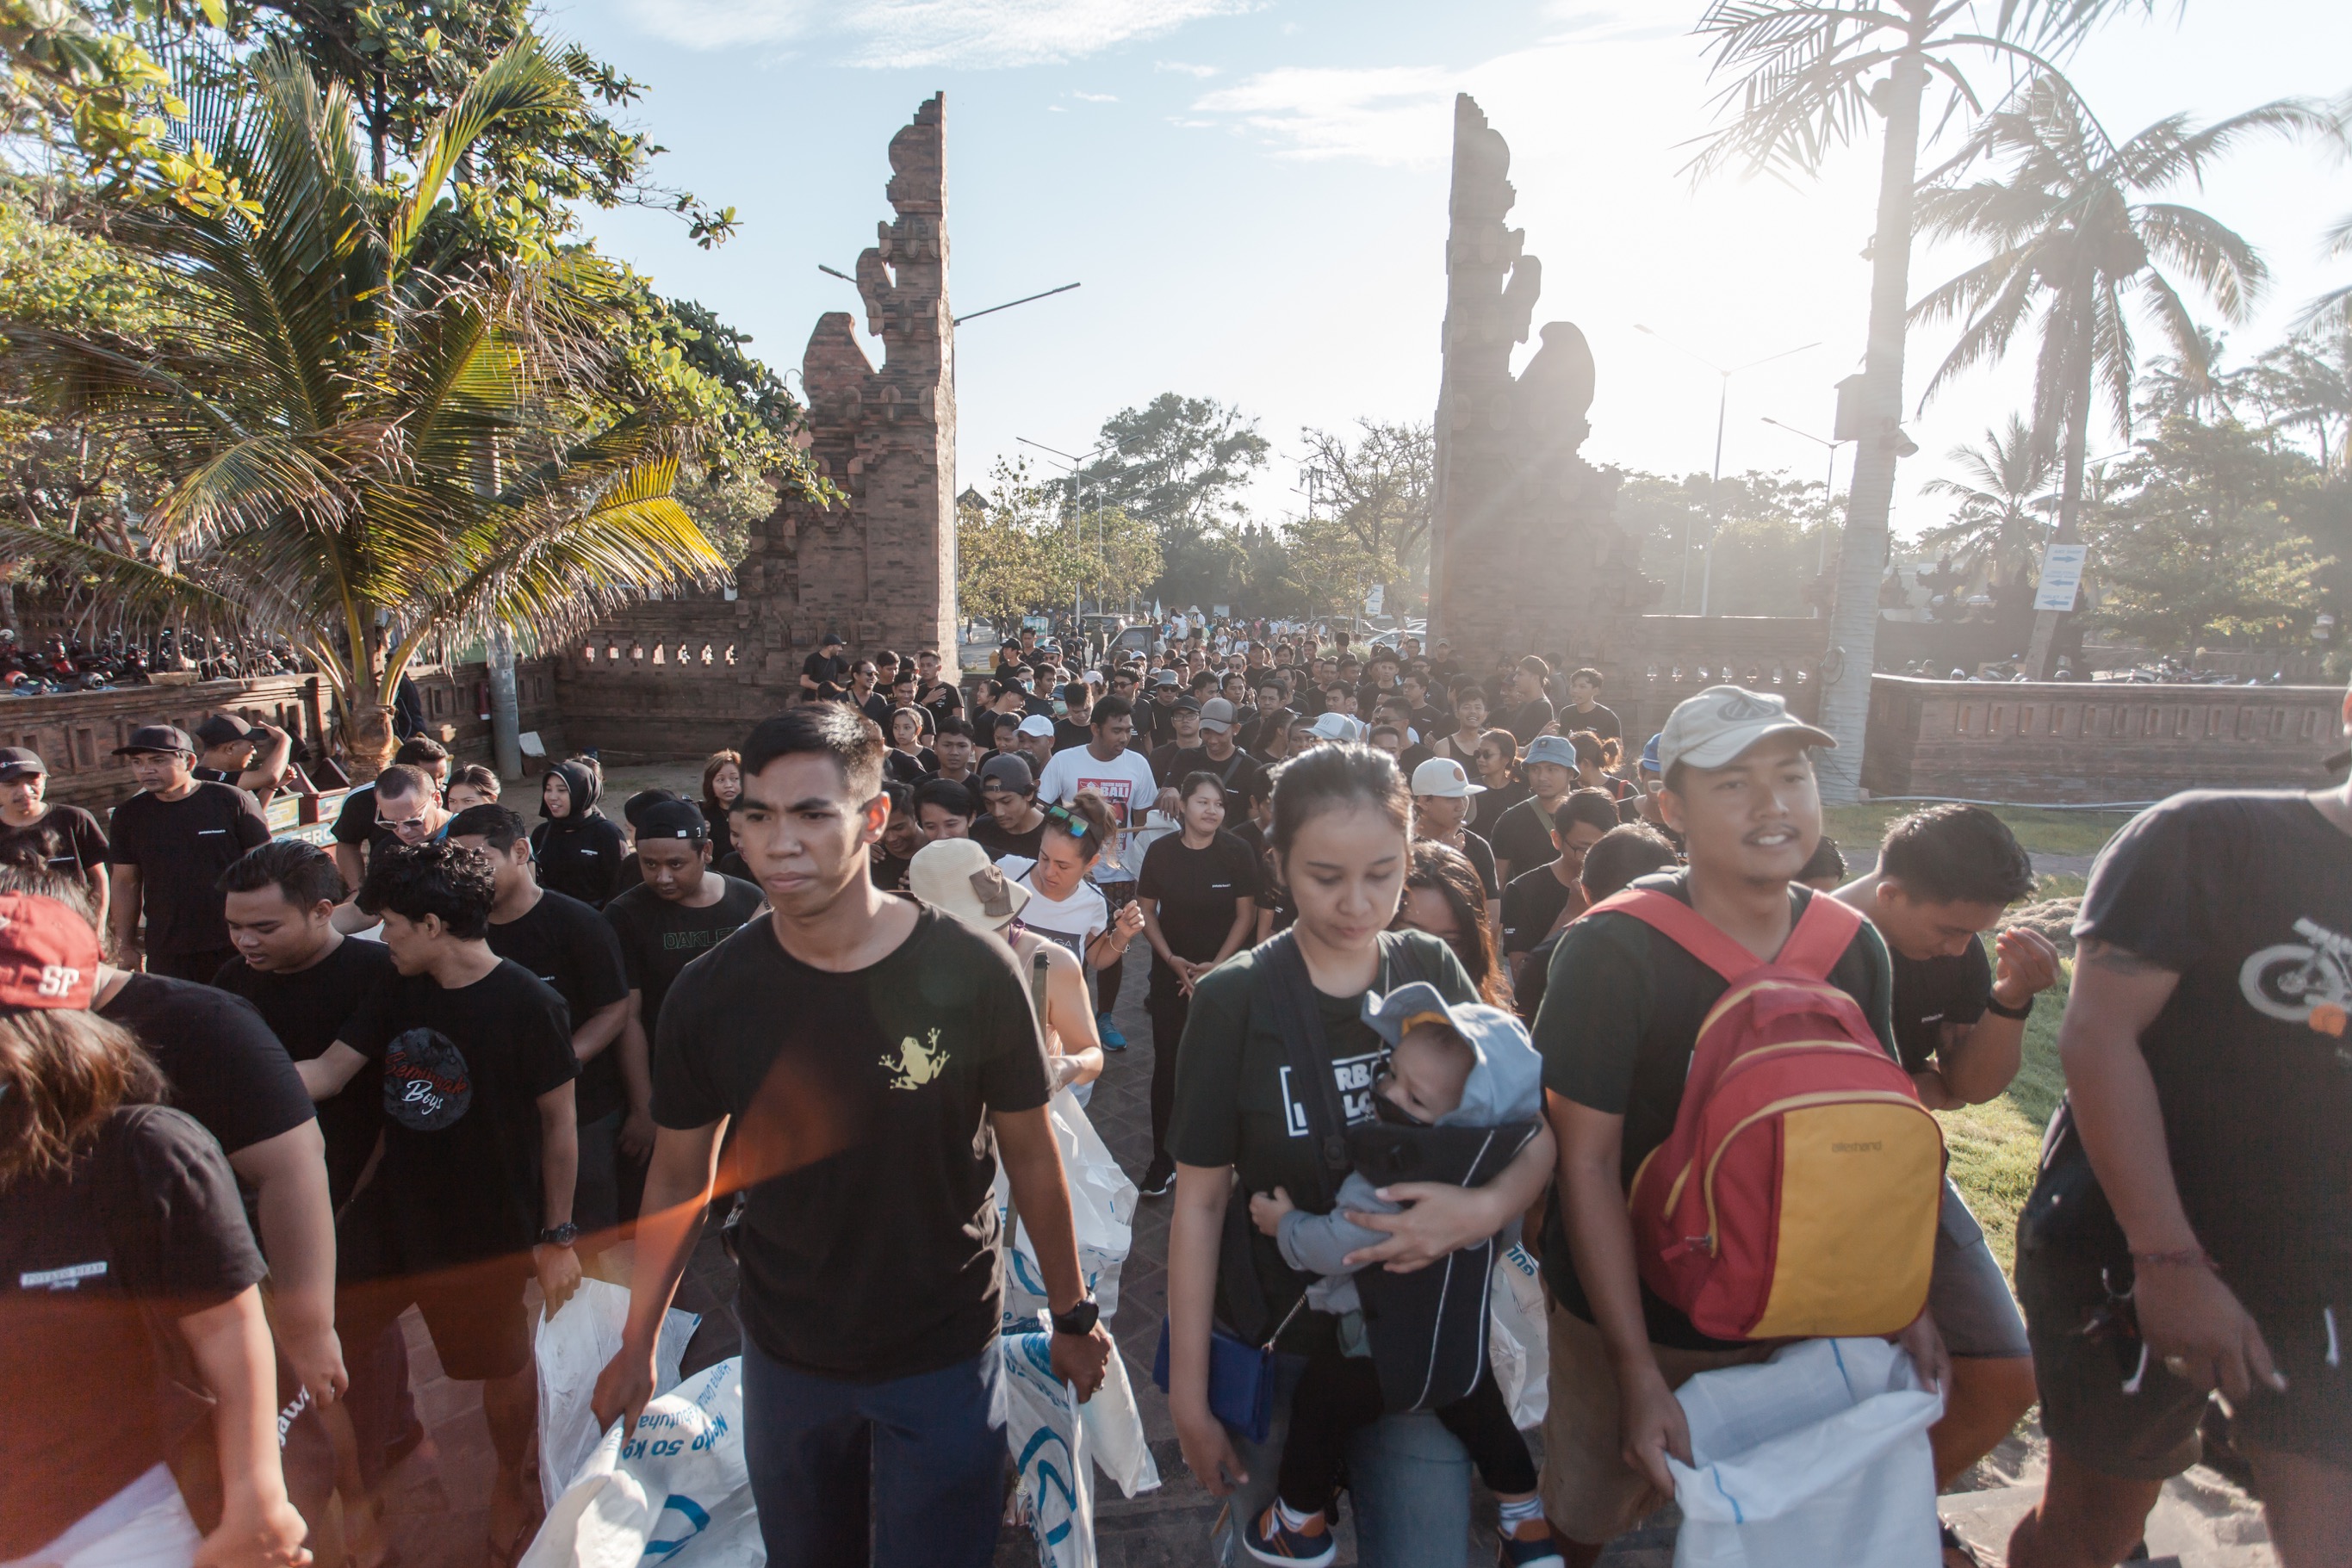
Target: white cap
(1037, 724)
(1443, 777)
(1336, 727)
(1715, 727)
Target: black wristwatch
(1079, 1319)
(1992, 1006)
(562, 1234)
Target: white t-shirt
(1127, 785)
(1072, 922)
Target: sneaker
(1268, 1540)
(1539, 1553)
(1158, 1179)
(1111, 1039)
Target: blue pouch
(1241, 1376)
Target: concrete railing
(2080, 743)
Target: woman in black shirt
(119, 1224)
(722, 783)
(1198, 891)
(908, 761)
(578, 852)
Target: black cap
(673, 820)
(1186, 704)
(633, 809)
(832, 640)
(16, 760)
(156, 737)
(223, 727)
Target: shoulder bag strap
(1299, 1021)
(1686, 927)
(1823, 932)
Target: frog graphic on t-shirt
(917, 1064)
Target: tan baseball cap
(1715, 727)
(956, 877)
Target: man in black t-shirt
(824, 672)
(567, 945)
(1013, 823)
(1620, 1018)
(1534, 711)
(2198, 1170)
(63, 840)
(253, 757)
(1522, 834)
(305, 979)
(1182, 752)
(473, 1193)
(940, 697)
(170, 841)
(358, 831)
(1538, 903)
(1944, 876)
(682, 910)
(877, 1059)
(1221, 754)
(1584, 711)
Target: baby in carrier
(1463, 1067)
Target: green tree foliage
(1776, 534)
(1369, 523)
(361, 450)
(1177, 464)
(1022, 548)
(2209, 535)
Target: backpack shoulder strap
(1299, 1021)
(1686, 927)
(1823, 934)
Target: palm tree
(2308, 386)
(2331, 311)
(2003, 497)
(1807, 76)
(2070, 246)
(364, 445)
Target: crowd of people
(258, 1098)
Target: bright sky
(1252, 195)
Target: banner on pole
(2062, 577)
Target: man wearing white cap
(1442, 793)
(1616, 1030)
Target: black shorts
(474, 1312)
(2074, 1280)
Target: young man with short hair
(874, 1058)
(1584, 710)
(2196, 1172)
(568, 947)
(1944, 876)
(472, 1195)
(359, 829)
(680, 910)
(169, 843)
(894, 852)
(1534, 713)
(1071, 729)
(1182, 752)
(1620, 1018)
(943, 809)
(943, 699)
(1539, 902)
(1013, 823)
(959, 759)
(862, 695)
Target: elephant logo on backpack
(915, 1065)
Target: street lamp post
(1715, 485)
(1829, 491)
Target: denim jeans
(935, 1483)
(1408, 1481)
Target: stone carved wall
(1526, 550)
(672, 678)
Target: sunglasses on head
(1077, 826)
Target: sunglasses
(1077, 826)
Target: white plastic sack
(677, 1493)
(1818, 1455)
(1517, 1342)
(1102, 1207)
(1048, 1439)
(572, 1347)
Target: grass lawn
(1860, 827)
(1996, 1146)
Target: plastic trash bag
(1048, 1438)
(1102, 1207)
(1517, 1339)
(1818, 1455)
(572, 1347)
(677, 1493)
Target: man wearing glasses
(408, 810)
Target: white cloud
(967, 33)
(1184, 69)
(1385, 114)
(1094, 97)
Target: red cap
(48, 954)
